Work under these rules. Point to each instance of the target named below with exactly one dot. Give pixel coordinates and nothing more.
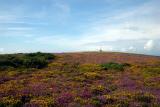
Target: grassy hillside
(79, 80)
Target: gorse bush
(92, 75)
(97, 90)
(113, 66)
(150, 72)
(35, 62)
(154, 70)
(31, 60)
(89, 67)
(10, 102)
(46, 56)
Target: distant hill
(102, 57)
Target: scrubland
(88, 79)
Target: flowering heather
(79, 80)
(86, 93)
(64, 98)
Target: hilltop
(102, 57)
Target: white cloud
(132, 49)
(1, 50)
(149, 45)
(135, 23)
(123, 50)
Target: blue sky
(80, 25)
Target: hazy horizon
(130, 26)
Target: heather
(80, 80)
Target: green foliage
(113, 66)
(35, 62)
(31, 60)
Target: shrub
(64, 99)
(89, 67)
(85, 93)
(39, 54)
(43, 101)
(25, 98)
(123, 104)
(69, 67)
(112, 87)
(97, 89)
(126, 64)
(32, 60)
(112, 66)
(96, 102)
(80, 100)
(35, 62)
(151, 71)
(10, 102)
(79, 79)
(92, 75)
(103, 100)
(110, 99)
(141, 97)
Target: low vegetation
(113, 66)
(60, 81)
(32, 60)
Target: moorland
(88, 79)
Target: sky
(80, 25)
